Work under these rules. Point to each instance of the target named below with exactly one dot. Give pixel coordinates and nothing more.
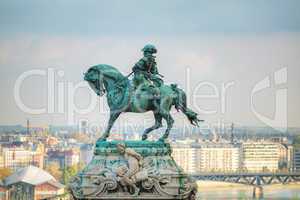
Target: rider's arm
(138, 66)
(154, 69)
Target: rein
(100, 84)
(116, 84)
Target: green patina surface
(144, 166)
(145, 148)
(146, 92)
(157, 163)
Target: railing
(250, 178)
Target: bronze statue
(145, 69)
(148, 93)
(136, 170)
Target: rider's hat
(149, 48)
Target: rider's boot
(156, 97)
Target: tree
(69, 172)
(80, 166)
(81, 137)
(54, 170)
(5, 172)
(297, 141)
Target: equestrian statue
(145, 92)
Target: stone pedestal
(132, 170)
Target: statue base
(132, 170)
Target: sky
(221, 49)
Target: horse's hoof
(144, 137)
(101, 140)
(162, 139)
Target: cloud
(244, 59)
(147, 18)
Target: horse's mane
(121, 82)
(109, 70)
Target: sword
(129, 74)
(148, 73)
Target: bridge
(255, 179)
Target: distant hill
(12, 128)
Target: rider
(145, 70)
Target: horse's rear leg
(112, 118)
(157, 125)
(170, 122)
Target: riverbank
(208, 190)
(214, 184)
(207, 185)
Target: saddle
(149, 90)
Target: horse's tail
(180, 104)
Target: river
(209, 191)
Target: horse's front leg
(112, 118)
(157, 125)
(170, 122)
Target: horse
(122, 97)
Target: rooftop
(31, 174)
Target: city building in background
(296, 160)
(18, 157)
(32, 183)
(70, 147)
(185, 156)
(83, 127)
(3, 191)
(64, 158)
(286, 156)
(218, 157)
(263, 156)
(86, 153)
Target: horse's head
(91, 75)
(95, 79)
(102, 78)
